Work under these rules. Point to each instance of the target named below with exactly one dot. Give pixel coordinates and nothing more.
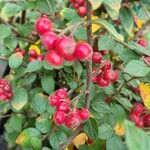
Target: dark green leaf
(5, 31)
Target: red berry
(32, 54)
(7, 88)
(146, 120)
(83, 51)
(3, 82)
(61, 93)
(140, 123)
(63, 106)
(105, 52)
(40, 57)
(82, 11)
(138, 107)
(75, 5)
(72, 1)
(49, 40)
(90, 141)
(110, 75)
(106, 65)
(102, 82)
(43, 25)
(54, 59)
(134, 116)
(80, 2)
(10, 94)
(54, 100)
(96, 57)
(65, 47)
(117, 22)
(20, 50)
(143, 43)
(94, 79)
(3, 97)
(59, 117)
(73, 120)
(84, 114)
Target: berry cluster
(60, 48)
(34, 56)
(80, 6)
(106, 74)
(138, 117)
(5, 90)
(64, 113)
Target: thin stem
(5, 116)
(3, 58)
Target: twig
(5, 116)
(3, 58)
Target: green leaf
(125, 102)
(136, 138)
(39, 103)
(137, 68)
(91, 128)
(126, 19)
(48, 84)
(105, 131)
(114, 4)
(80, 33)
(106, 43)
(34, 66)
(19, 99)
(47, 66)
(69, 14)
(110, 28)
(96, 3)
(5, 31)
(15, 60)
(43, 124)
(78, 68)
(10, 42)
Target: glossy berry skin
(54, 100)
(134, 116)
(80, 2)
(83, 51)
(82, 11)
(3, 82)
(3, 97)
(84, 114)
(140, 123)
(63, 106)
(54, 59)
(32, 54)
(61, 93)
(7, 88)
(43, 25)
(65, 47)
(59, 117)
(102, 82)
(96, 57)
(75, 5)
(73, 120)
(10, 94)
(143, 43)
(40, 57)
(146, 120)
(106, 65)
(110, 75)
(138, 107)
(49, 40)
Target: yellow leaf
(35, 48)
(145, 93)
(20, 139)
(37, 42)
(95, 27)
(80, 139)
(139, 23)
(119, 129)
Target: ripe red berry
(138, 107)
(31, 59)
(143, 42)
(43, 25)
(96, 57)
(54, 100)
(54, 59)
(134, 116)
(75, 5)
(3, 97)
(63, 106)
(106, 65)
(61, 93)
(90, 141)
(84, 114)
(82, 11)
(7, 88)
(102, 82)
(10, 94)
(79, 2)
(20, 50)
(3, 82)
(59, 117)
(49, 40)
(65, 46)
(73, 120)
(83, 51)
(32, 54)
(40, 57)
(110, 75)
(146, 120)
(140, 123)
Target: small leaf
(96, 4)
(10, 42)
(5, 31)
(15, 60)
(78, 68)
(114, 4)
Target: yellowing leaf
(21, 139)
(80, 139)
(35, 48)
(139, 23)
(37, 42)
(145, 93)
(95, 27)
(119, 129)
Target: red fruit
(43, 25)
(9, 94)
(102, 82)
(110, 75)
(59, 117)
(106, 65)
(82, 11)
(134, 116)
(143, 43)
(75, 5)
(40, 57)
(83, 51)
(117, 22)
(84, 114)
(73, 120)
(105, 52)
(61, 93)
(63, 106)
(3, 82)
(32, 54)
(20, 50)
(96, 57)
(94, 79)
(140, 123)
(54, 59)
(80, 2)
(54, 100)
(49, 40)
(138, 107)
(72, 1)
(146, 120)
(7, 88)
(90, 141)
(3, 97)
(65, 47)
